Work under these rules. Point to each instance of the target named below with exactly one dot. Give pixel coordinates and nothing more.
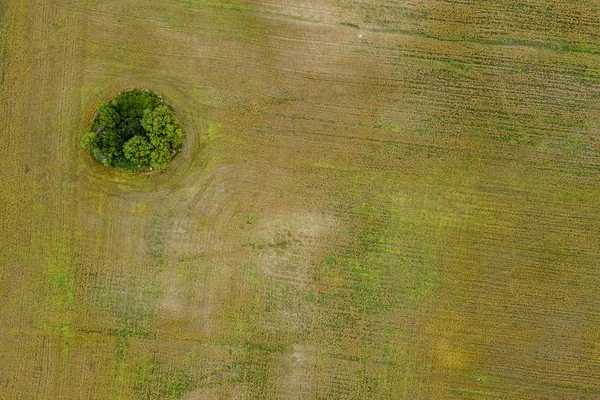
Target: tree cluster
(135, 131)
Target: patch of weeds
(251, 218)
(430, 132)
(227, 6)
(513, 135)
(122, 341)
(283, 240)
(388, 127)
(569, 168)
(258, 245)
(157, 380)
(350, 25)
(129, 299)
(214, 131)
(61, 280)
(156, 236)
(122, 337)
(324, 165)
(331, 166)
(256, 370)
(62, 287)
(309, 297)
(366, 290)
(371, 275)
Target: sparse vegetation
(135, 131)
(376, 199)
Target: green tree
(139, 150)
(134, 131)
(161, 156)
(90, 140)
(107, 115)
(161, 124)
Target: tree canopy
(135, 131)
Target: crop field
(376, 199)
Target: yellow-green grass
(376, 199)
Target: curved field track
(377, 199)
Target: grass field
(377, 199)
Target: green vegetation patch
(156, 380)
(135, 131)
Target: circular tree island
(135, 131)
